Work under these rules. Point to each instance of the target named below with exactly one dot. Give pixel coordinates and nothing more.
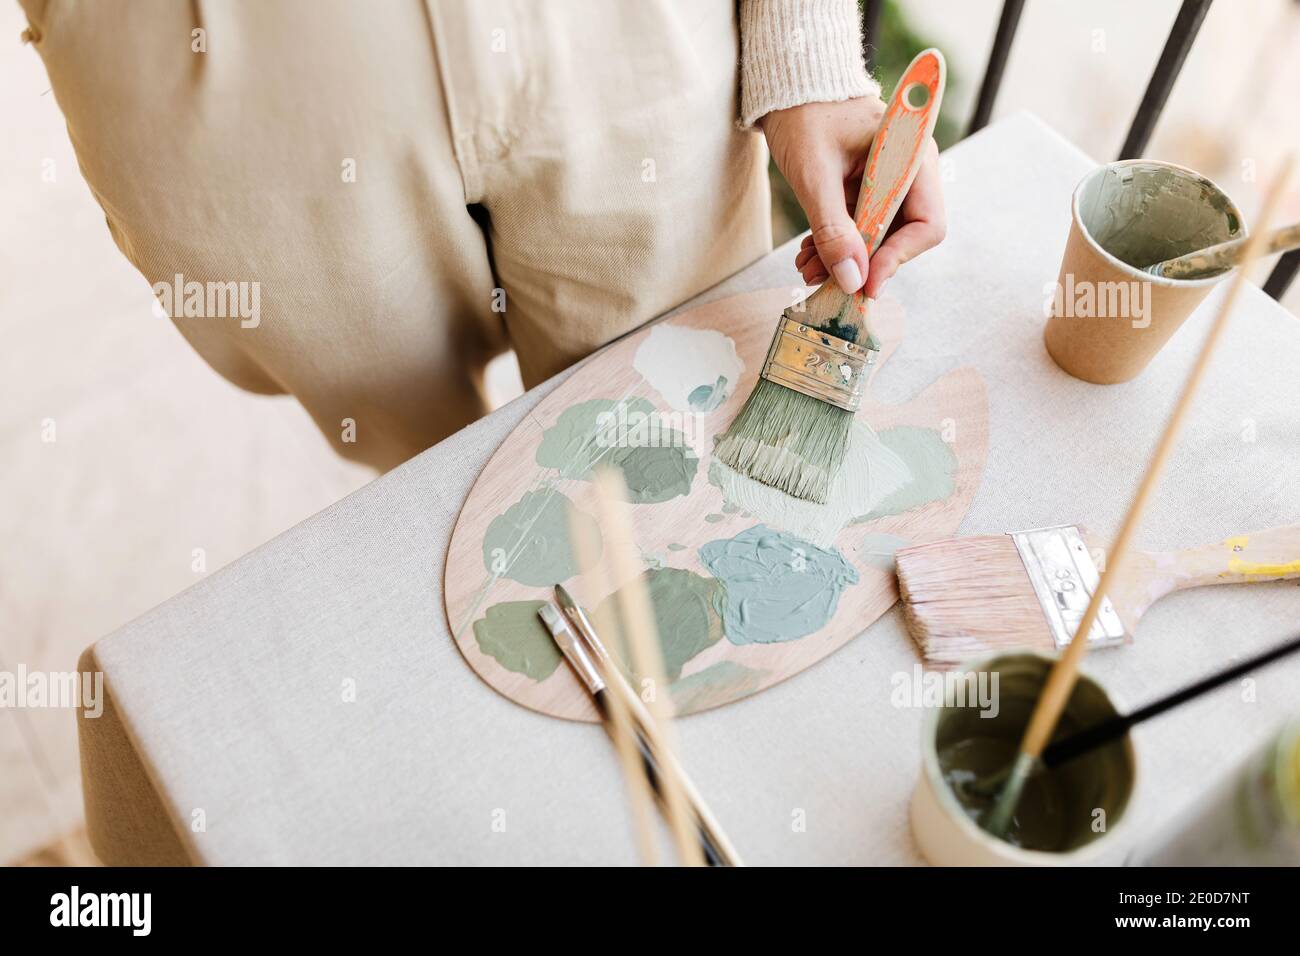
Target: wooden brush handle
(1225, 254)
(1271, 555)
(897, 151)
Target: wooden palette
(956, 406)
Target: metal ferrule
(819, 365)
(1064, 578)
(571, 648)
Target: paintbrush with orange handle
(793, 430)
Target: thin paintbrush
(1215, 259)
(641, 640)
(793, 430)
(642, 719)
(1098, 735)
(1064, 673)
(1103, 733)
(589, 674)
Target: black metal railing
(1181, 37)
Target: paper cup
(1107, 317)
(1095, 789)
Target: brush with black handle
(793, 431)
(1085, 741)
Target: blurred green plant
(895, 47)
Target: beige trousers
(393, 192)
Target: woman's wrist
(800, 51)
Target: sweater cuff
(799, 51)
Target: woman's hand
(821, 149)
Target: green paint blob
(676, 547)
(531, 542)
(932, 464)
(685, 619)
(632, 435)
(776, 587)
(512, 633)
(715, 685)
(714, 518)
(708, 397)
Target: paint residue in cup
(1060, 809)
(775, 587)
(1144, 213)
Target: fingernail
(847, 276)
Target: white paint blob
(871, 473)
(695, 370)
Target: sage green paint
(1143, 213)
(531, 542)
(513, 634)
(656, 460)
(1057, 809)
(685, 618)
(878, 550)
(775, 587)
(931, 462)
(716, 684)
(714, 518)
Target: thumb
(839, 245)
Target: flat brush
(793, 431)
(967, 597)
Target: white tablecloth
(230, 741)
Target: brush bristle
(787, 440)
(968, 597)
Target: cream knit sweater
(799, 51)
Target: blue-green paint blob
(932, 464)
(632, 435)
(706, 398)
(776, 587)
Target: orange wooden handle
(897, 152)
(898, 148)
